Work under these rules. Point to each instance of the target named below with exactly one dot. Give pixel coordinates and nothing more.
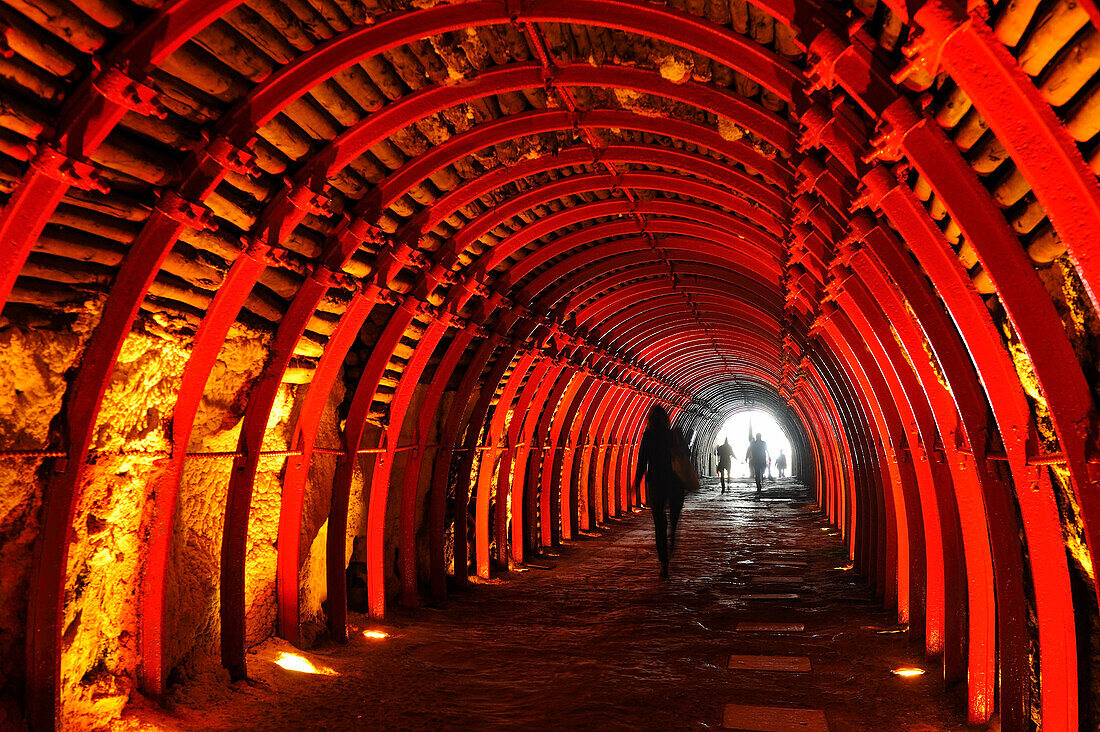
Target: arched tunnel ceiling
(361, 220)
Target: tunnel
(318, 312)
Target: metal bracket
(192, 215)
(356, 232)
(59, 166)
(332, 278)
(924, 51)
(308, 200)
(228, 157)
(115, 86)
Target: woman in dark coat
(660, 442)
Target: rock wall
(35, 358)
(100, 651)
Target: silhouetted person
(725, 460)
(781, 464)
(663, 488)
(757, 457)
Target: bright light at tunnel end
(764, 423)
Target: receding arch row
(547, 279)
(307, 397)
(196, 374)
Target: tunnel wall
(329, 304)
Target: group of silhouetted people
(757, 457)
(664, 463)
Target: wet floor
(599, 641)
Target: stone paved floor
(600, 642)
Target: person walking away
(757, 457)
(663, 487)
(725, 461)
(781, 464)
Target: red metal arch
(320, 386)
(237, 515)
(746, 204)
(1027, 304)
(156, 239)
(487, 388)
(355, 422)
(496, 131)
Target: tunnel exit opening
(737, 430)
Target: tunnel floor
(600, 642)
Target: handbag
(681, 464)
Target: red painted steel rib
(629, 439)
(608, 471)
(966, 499)
(933, 482)
(529, 453)
(869, 553)
(379, 489)
(1023, 122)
(585, 387)
(489, 469)
(908, 523)
(514, 126)
(410, 481)
(466, 457)
(842, 454)
(540, 532)
(975, 487)
(1028, 306)
(239, 493)
(584, 489)
(355, 426)
(518, 455)
(578, 437)
(983, 343)
(87, 118)
(360, 43)
(304, 435)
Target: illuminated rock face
(401, 280)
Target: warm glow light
(908, 672)
(844, 569)
(375, 634)
(294, 662)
